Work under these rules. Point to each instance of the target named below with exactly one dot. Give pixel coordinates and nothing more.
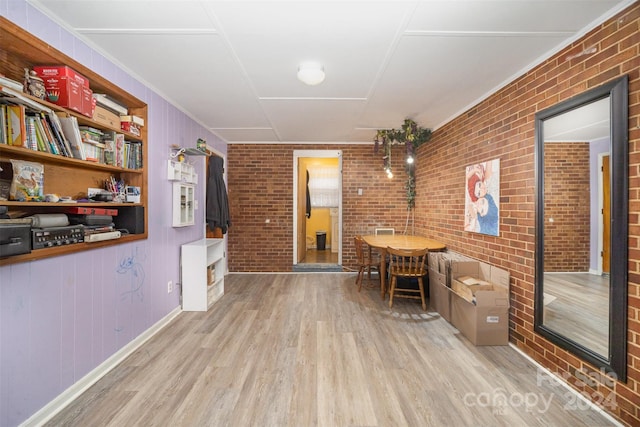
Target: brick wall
(260, 187)
(567, 207)
(502, 126)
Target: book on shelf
(10, 83)
(110, 104)
(91, 135)
(119, 147)
(50, 145)
(3, 124)
(72, 132)
(132, 155)
(94, 151)
(32, 139)
(109, 141)
(57, 133)
(17, 133)
(17, 97)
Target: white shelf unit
(196, 258)
(181, 171)
(183, 204)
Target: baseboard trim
(564, 384)
(80, 386)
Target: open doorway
(317, 228)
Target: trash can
(321, 240)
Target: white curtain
(324, 186)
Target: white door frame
(297, 154)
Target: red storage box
(88, 104)
(65, 92)
(60, 71)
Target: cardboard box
(467, 286)
(442, 261)
(60, 71)
(439, 294)
(486, 322)
(106, 117)
(485, 319)
(65, 92)
(211, 274)
(433, 261)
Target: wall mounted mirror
(581, 225)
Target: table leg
(383, 272)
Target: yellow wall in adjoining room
(320, 219)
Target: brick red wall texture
(567, 207)
(502, 126)
(260, 188)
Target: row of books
(59, 133)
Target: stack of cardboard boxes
(471, 295)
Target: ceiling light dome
(311, 73)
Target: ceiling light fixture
(311, 73)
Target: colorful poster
(482, 198)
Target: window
(324, 186)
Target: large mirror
(581, 225)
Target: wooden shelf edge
(67, 205)
(62, 160)
(39, 254)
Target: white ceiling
(231, 65)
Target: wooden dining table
(397, 241)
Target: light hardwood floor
(580, 309)
(309, 350)
(314, 256)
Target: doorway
(317, 218)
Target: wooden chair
(365, 261)
(409, 264)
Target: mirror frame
(616, 361)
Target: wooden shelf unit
(63, 175)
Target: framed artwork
(482, 198)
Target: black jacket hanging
(308, 198)
(217, 201)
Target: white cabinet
(183, 204)
(181, 171)
(202, 268)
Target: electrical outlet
(170, 286)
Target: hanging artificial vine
(412, 136)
